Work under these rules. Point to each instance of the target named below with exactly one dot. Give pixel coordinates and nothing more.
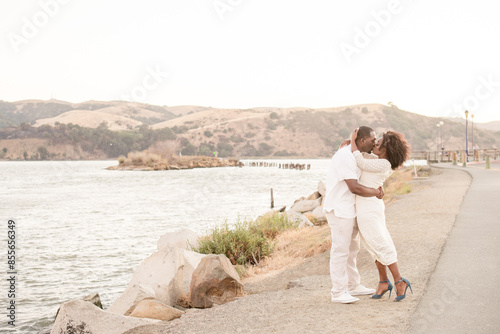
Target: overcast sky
(432, 57)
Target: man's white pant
(345, 247)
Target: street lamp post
(466, 139)
(439, 140)
(441, 134)
(472, 120)
(437, 137)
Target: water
(83, 229)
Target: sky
(436, 58)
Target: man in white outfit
(339, 206)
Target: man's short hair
(364, 131)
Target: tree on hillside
(224, 149)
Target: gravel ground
(419, 223)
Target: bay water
(81, 228)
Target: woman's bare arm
(354, 134)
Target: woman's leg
(382, 274)
(401, 286)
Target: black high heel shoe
(408, 285)
(389, 288)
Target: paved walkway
(463, 295)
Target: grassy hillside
(61, 130)
(119, 115)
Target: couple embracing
(355, 212)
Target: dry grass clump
(398, 184)
(141, 159)
(292, 248)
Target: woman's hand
(354, 134)
(345, 143)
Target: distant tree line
(112, 143)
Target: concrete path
(463, 294)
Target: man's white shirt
(338, 196)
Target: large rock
(81, 317)
(300, 218)
(179, 239)
(319, 215)
(321, 188)
(214, 281)
(314, 195)
(166, 272)
(143, 292)
(306, 205)
(153, 309)
(94, 298)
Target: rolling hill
(55, 129)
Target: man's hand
(360, 190)
(381, 193)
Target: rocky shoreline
(171, 281)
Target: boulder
(299, 199)
(314, 195)
(153, 309)
(94, 298)
(214, 281)
(180, 239)
(166, 273)
(322, 189)
(295, 216)
(306, 205)
(142, 293)
(78, 316)
(319, 215)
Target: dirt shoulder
(297, 300)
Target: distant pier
(277, 165)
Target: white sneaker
(361, 290)
(344, 298)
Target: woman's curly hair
(396, 147)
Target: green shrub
(239, 244)
(273, 224)
(248, 242)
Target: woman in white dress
(389, 153)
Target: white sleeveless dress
(371, 211)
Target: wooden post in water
(272, 199)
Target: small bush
(240, 245)
(248, 242)
(140, 158)
(273, 224)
